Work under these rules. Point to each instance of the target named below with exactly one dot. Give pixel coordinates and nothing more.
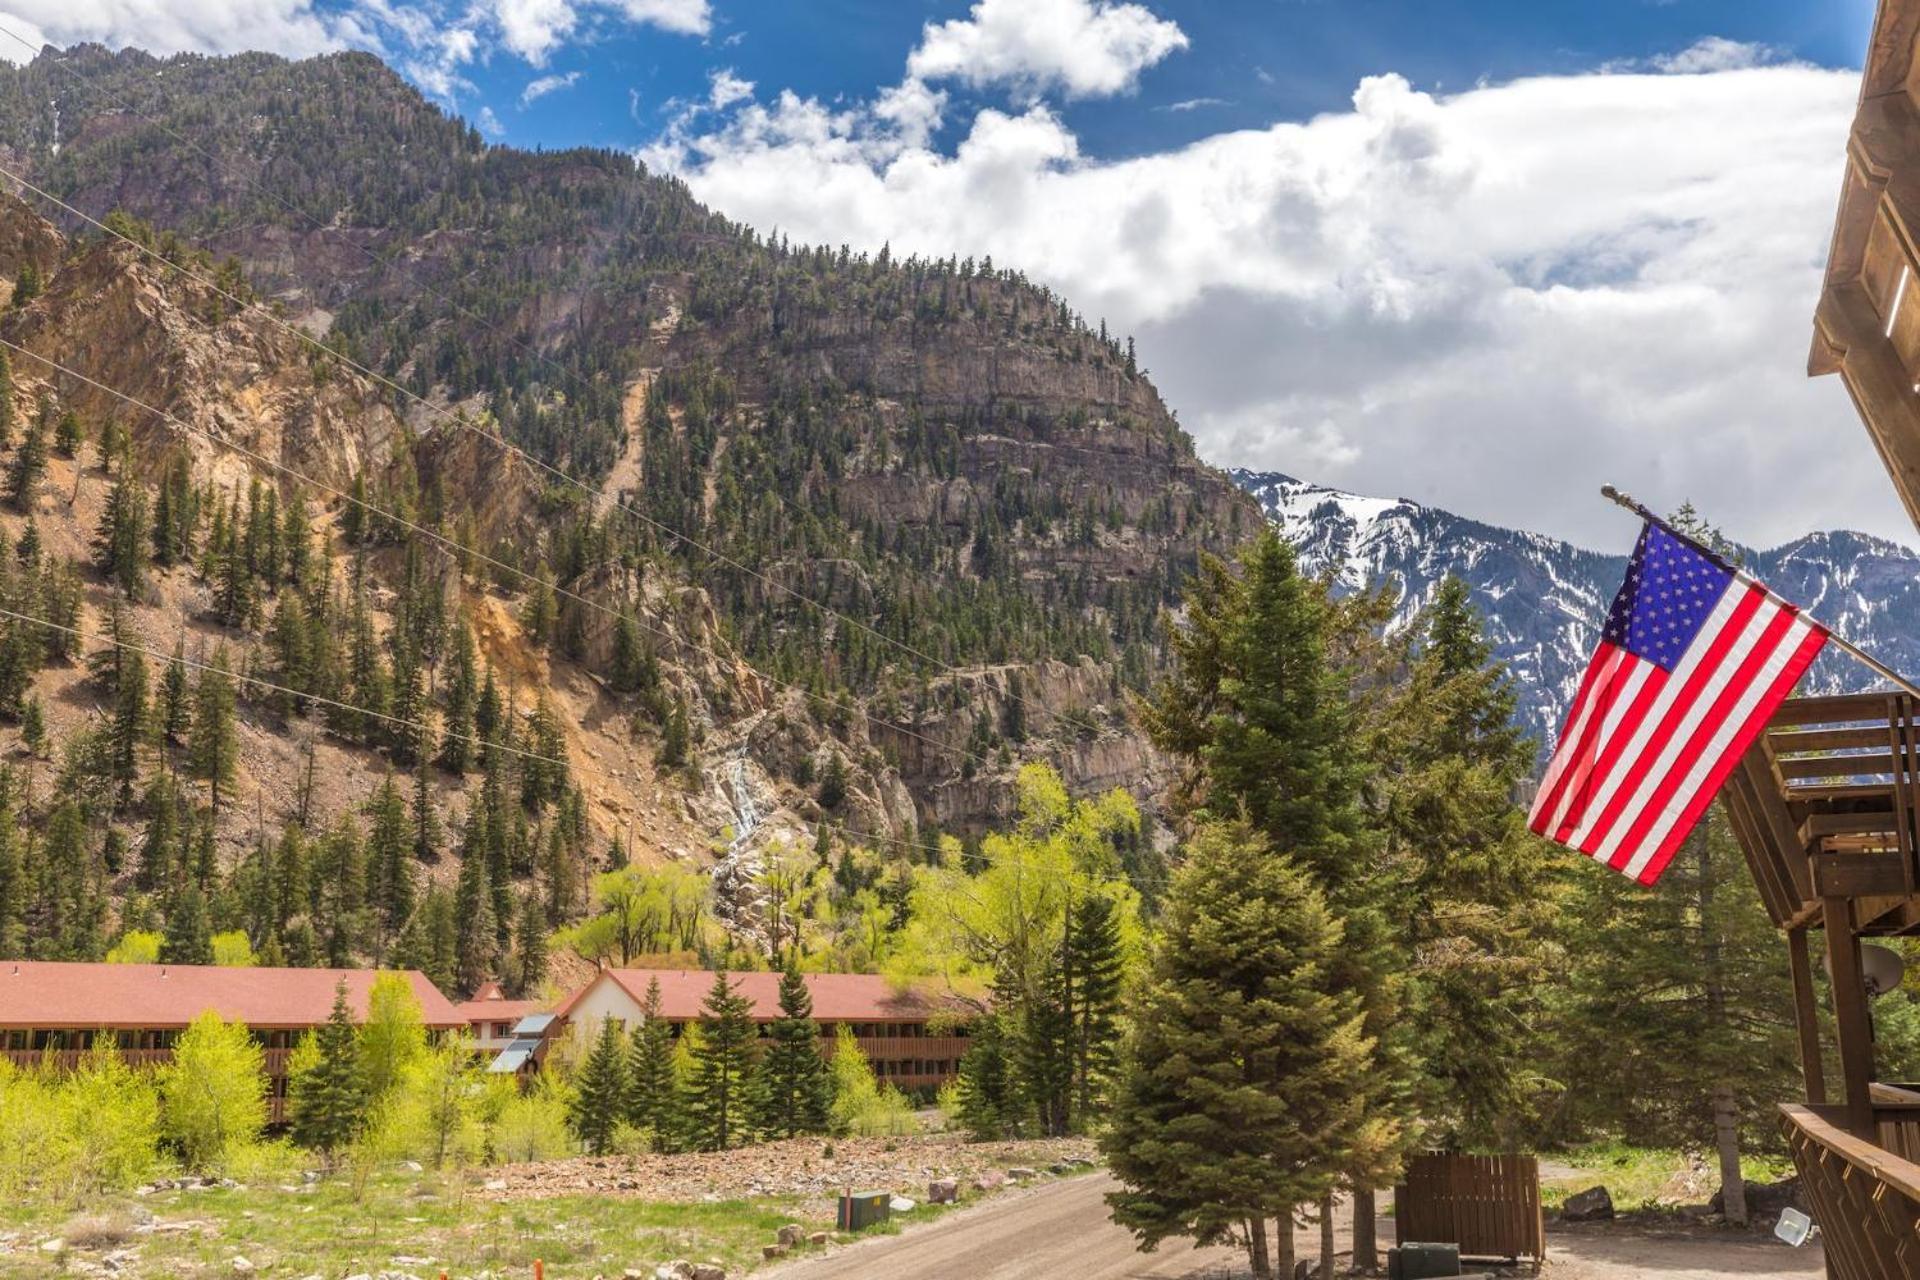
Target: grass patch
(1645, 1177)
(327, 1230)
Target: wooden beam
(1850, 1016)
(1806, 1016)
(1843, 708)
(1858, 875)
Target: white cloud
(430, 40)
(1084, 48)
(1715, 53)
(1494, 300)
(1192, 104)
(490, 123)
(726, 88)
(540, 88)
(292, 27)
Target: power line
(492, 327)
(244, 678)
(448, 544)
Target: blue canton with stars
(1669, 591)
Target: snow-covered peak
(1543, 599)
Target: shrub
(529, 1124)
(861, 1105)
(213, 1093)
(65, 1137)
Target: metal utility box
(861, 1209)
(1423, 1261)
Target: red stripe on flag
(1649, 697)
(1762, 712)
(1575, 786)
(1749, 668)
(1606, 661)
(1715, 651)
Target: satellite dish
(1794, 1227)
(1881, 968)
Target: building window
(501, 1030)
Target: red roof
(837, 997)
(47, 994)
(499, 1009)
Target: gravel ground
(801, 1167)
(1059, 1229)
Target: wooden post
(1850, 1013)
(1806, 1016)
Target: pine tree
(653, 1098)
(989, 1107)
(130, 720)
(68, 434)
(1261, 705)
(6, 401)
(13, 884)
(389, 860)
(1092, 969)
(213, 748)
(121, 547)
(326, 1102)
(798, 1088)
(717, 1110)
(189, 939)
(530, 948)
(33, 728)
(1472, 882)
(424, 817)
(1236, 1100)
(26, 286)
(29, 465)
(478, 946)
(599, 1101)
(175, 710)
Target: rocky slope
(1544, 599)
(943, 452)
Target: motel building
(56, 1012)
(915, 1042)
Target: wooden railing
(1865, 1197)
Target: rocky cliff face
(940, 451)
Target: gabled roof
(51, 994)
(837, 997)
(499, 1010)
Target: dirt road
(1060, 1229)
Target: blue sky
(1249, 63)
(1479, 253)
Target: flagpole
(1847, 646)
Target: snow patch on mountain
(1544, 599)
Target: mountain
(1544, 599)
(750, 543)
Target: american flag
(1693, 660)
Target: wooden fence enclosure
(1488, 1205)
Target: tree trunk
(1726, 1116)
(1726, 1137)
(1283, 1256)
(1257, 1248)
(1366, 1244)
(1326, 1236)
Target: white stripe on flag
(1696, 653)
(1638, 673)
(1576, 729)
(1756, 689)
(1690, 715)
